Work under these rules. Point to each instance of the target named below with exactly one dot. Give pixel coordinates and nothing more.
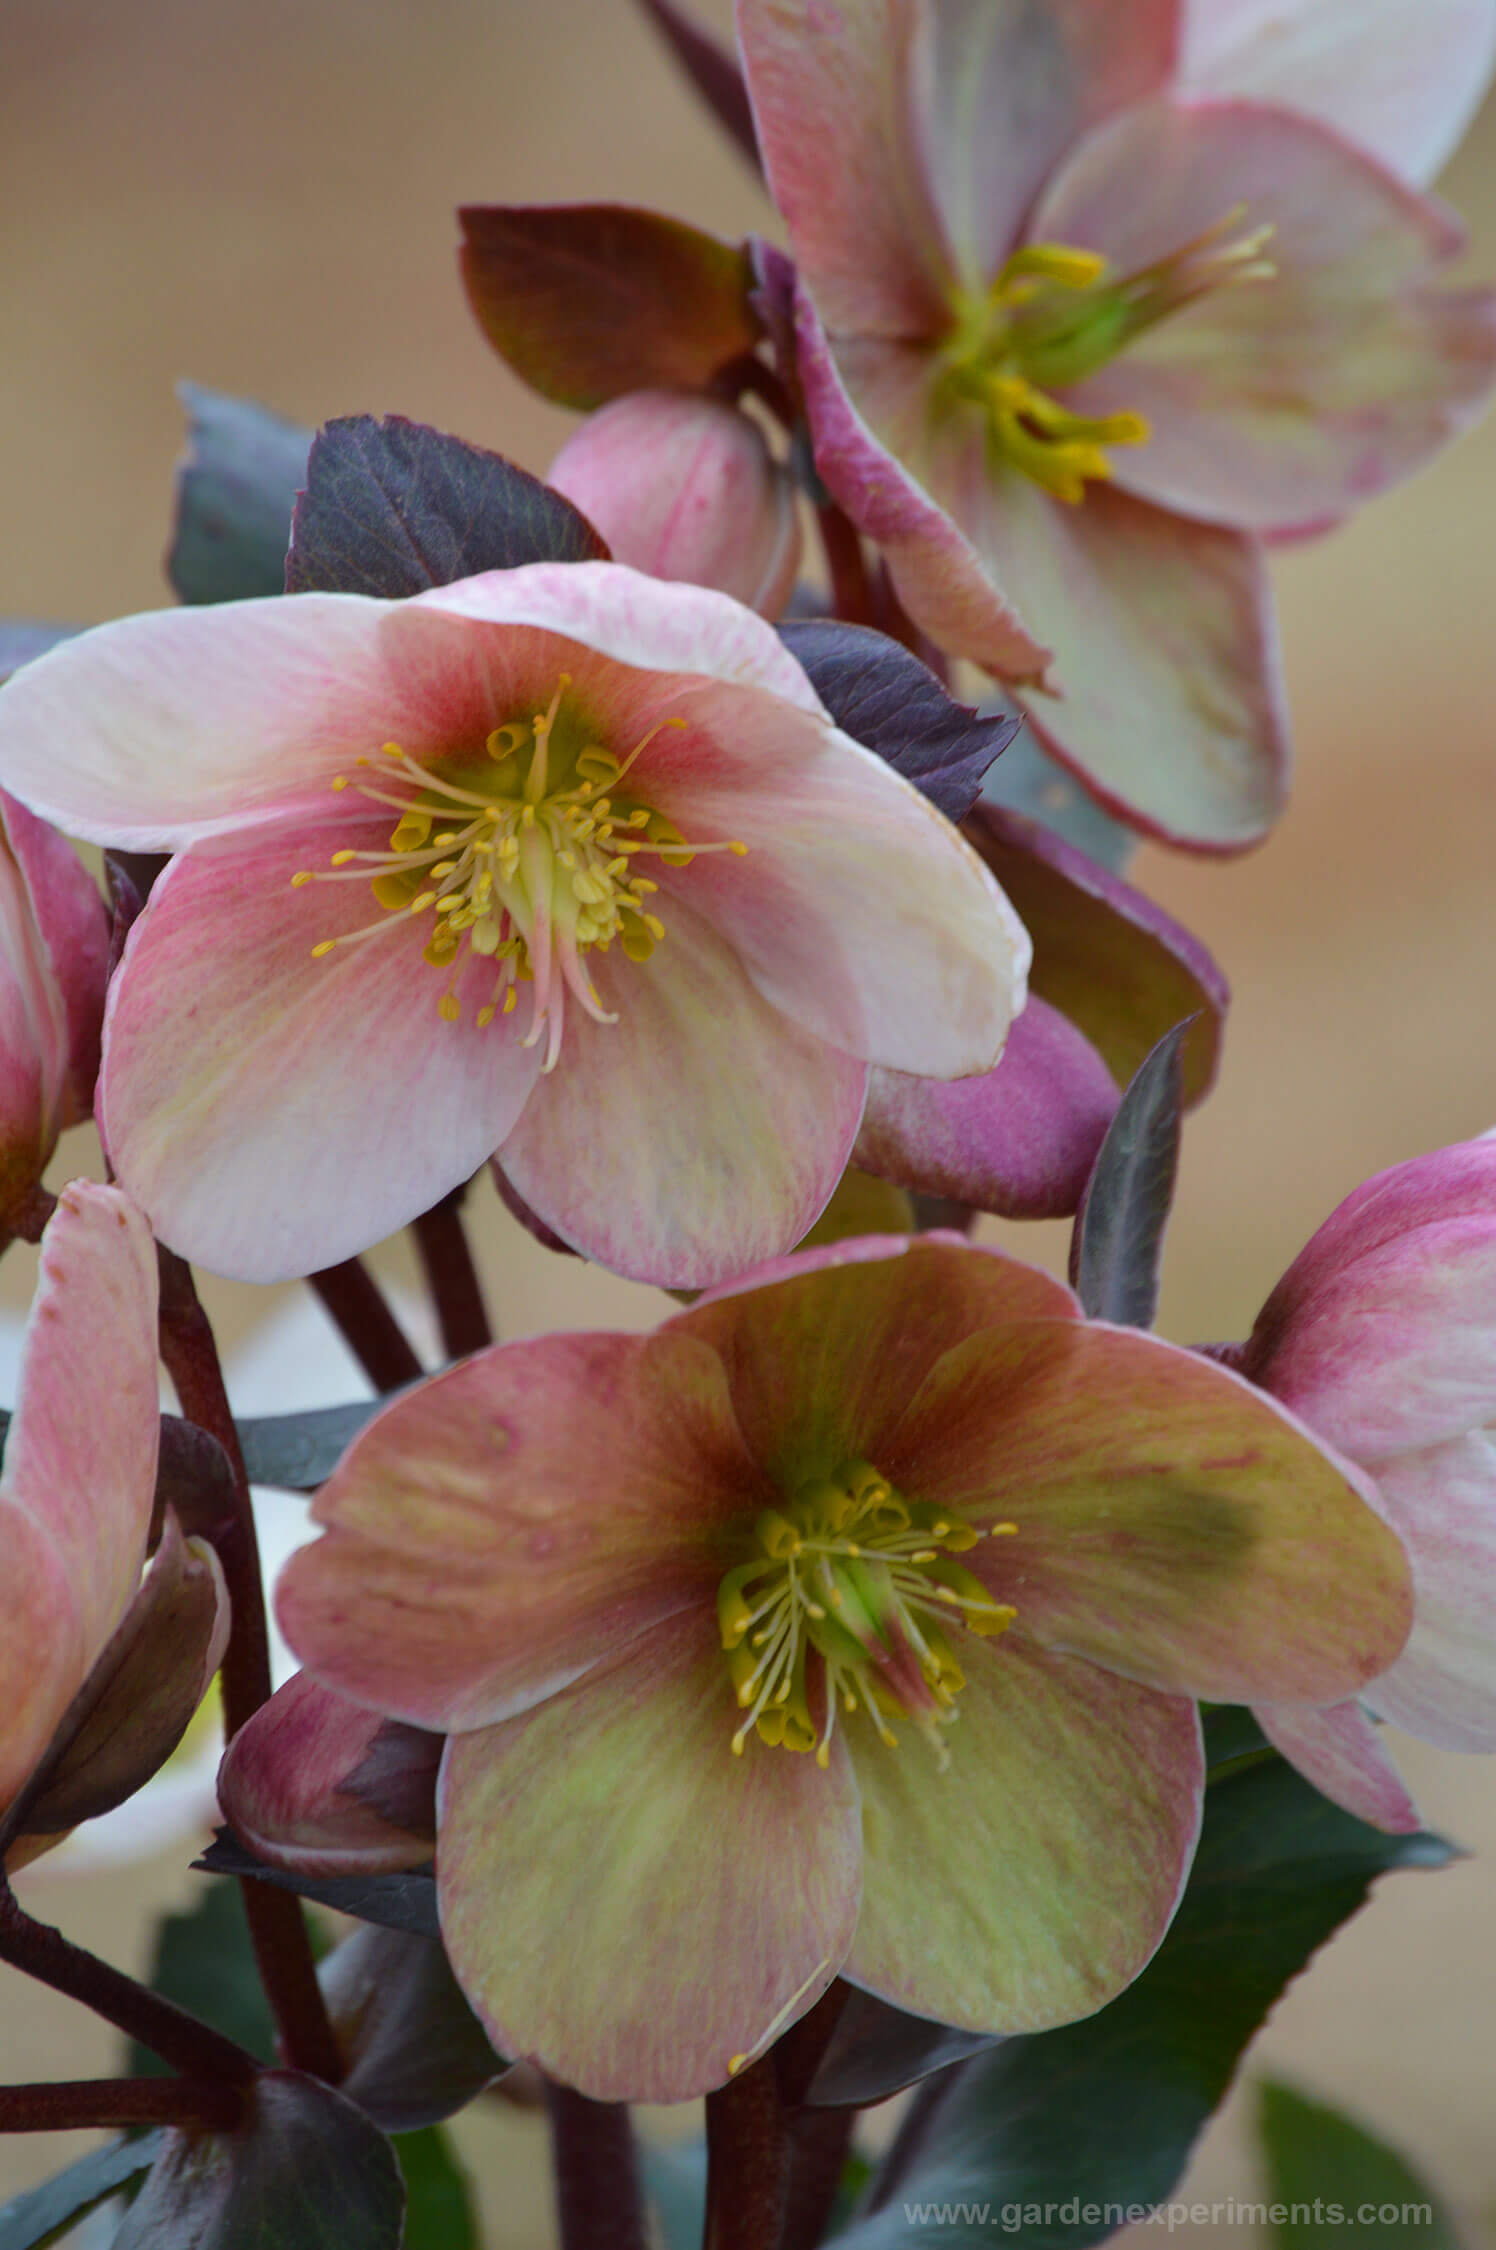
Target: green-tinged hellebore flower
(850, 1623)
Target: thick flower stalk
(559, 861)
(1382, 1337)
(1085, 304)
(848, 1624)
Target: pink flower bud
(317, 1784)
(686, 488)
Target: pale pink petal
(1172, 1523)
(508, 1525)
(1403, 77)
(1020, 1140)
(1340, 1751)
(316, 1784)
(1030, 1882)
(626, 1902)
(700, 1132)
(823, 1363)
(74, 931)
(1001, 95)
(1443, 1504)
(857, 909)
(867, 405)
(1382, 1333)
(1168, 699)
(830, 88)
(274, 1112)
(77, 1487)
(1279, 402)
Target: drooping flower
(847, 1624)
(560, 859)
(54, 948)
(86, 1643)
(1072, 335)
(1381, 1336)
(686, 488)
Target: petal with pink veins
(77, 1486)
(1403, 77)
(1173, 1524)
(1443, 1503)
(1280, 402)
(608, 1843)
(1340, 1750)
(515, 1522)
(74, 930)
(1020, 1140)
(1030, 1881)
(699, 1132)
(275, 1112)
(822, 1364)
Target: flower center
(859, 1579)
(1053, 316)
(528, 862)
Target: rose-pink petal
(74, 930)
(1340, 1750)
(517, 1520)
(273, 1112)
(319, 1785)
(1443, 1504)
(626, 1902)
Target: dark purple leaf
(883, 697)
(1117, 1245)
(393, 508)
(236, 488)
(305, 2171)
(877, 2050)
(713, 71)
(403, 1901)
(417, 2053)
(298, 1451)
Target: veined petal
(1340, 1751)
(1277, 402)
(1034, 1878)
(857, 909)
(1403, 77)
(515, 1521)
(830, 89)
(1168, 699)
(1173, 1524)
(274, 1112)
(74, 931)
(77, 1487)
(1001, 93)
(700, 1132)
(822, 1364)
(624, 1900)
(1443, 1503)
(1019, 1140)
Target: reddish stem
(748, 2162)
(819, 2142)
(851, 592)
(597, 2183)
(355, 1303)
(65, 2105)
(282, 1949)
(31, 1215)
(452, 1277)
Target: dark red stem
(452, 1277)
(752, 377)
(846, 565)
(65, 2105)
(30, 1216)
(819, 2142)
(598, 2206)
(748, 2162)
(355, 1304)
(169, 2031)
(282, 1950)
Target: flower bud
(316, 1784)
(686, 488)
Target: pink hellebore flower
(54, 952)
(1073, 332)
(847, 1624)
(76, 1500)
(1381, 1336)
(559, 860)
(685, 488)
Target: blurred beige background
(258, 194)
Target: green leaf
(1328, 2175)
(1118, 1241)
(439, 2213)
(235, 492)
(297, 1451)
(1070, 2128)
(30, 2221)
(205, 1962)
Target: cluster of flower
(854, 1623)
